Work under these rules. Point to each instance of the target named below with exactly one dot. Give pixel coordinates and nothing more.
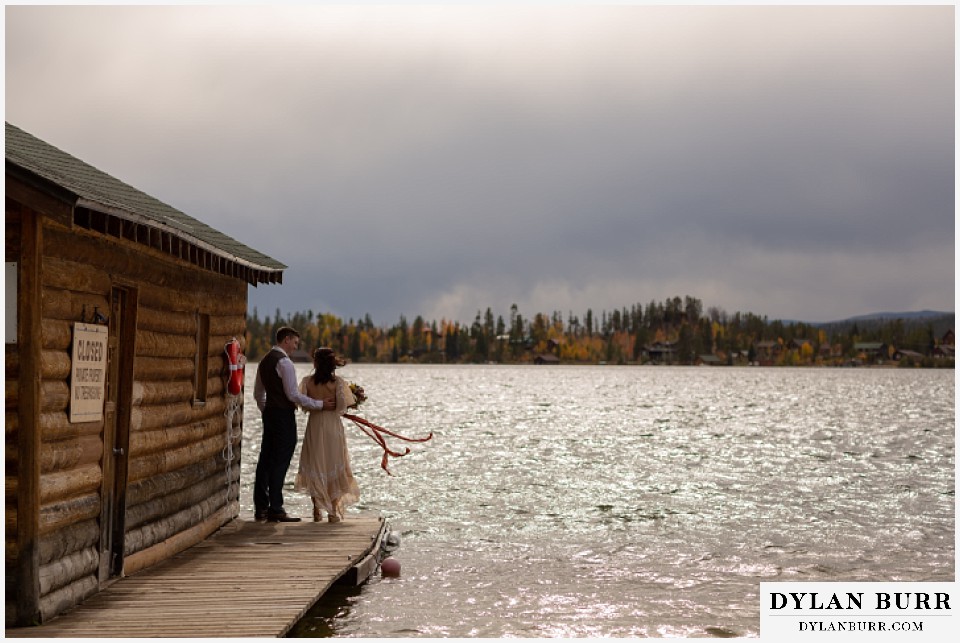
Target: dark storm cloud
(794, 161)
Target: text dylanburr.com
(857, 611)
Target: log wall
(179, 482)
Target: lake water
(606, 501)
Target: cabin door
(116, 428)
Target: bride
(324, 470)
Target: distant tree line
(679, 327)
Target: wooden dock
(247, 580)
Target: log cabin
(122, 440)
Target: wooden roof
(105, 204)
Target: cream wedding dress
(324, 470)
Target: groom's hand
(330, 403)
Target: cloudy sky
(796, 162)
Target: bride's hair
(325, 362)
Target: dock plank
(248, 580)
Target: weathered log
(80, 278)
(158, 508)
(197, 291)
(165, 461)
(54, 396)
(228, 326)
(154, 532)
(12, 425)
(216, 348)
(222, 327)
(64, 598)
(175, 544)
(56, 426)
(154, 344)
(172, 285)
(154, 393)
(63, 571)
(159, 485)
(12, 394)
(10, 488)
(207, 294)
(167, 321)
(68, 512)
(56, 334)
(64, 542)
(10, 518)
(163, 369)
(70, 452)
(148, 418)
(11, 466)
(65, 305)
(215, 386)
(146, 442)
(12, 370)
(60, 485)
(54, 365)
(11, 552)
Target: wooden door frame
(116, 432)
(29, 340)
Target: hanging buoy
(236, 360)
(390, 567)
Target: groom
(277, 398)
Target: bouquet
(358, 393)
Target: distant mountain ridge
(914, 315)
(939, 321)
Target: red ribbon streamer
(377, 436)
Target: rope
(234, 404)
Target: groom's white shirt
(288, 375)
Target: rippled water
(638, 501)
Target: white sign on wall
(88, 372)
(11, 290)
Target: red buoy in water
(390, 567)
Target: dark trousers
(276, 451)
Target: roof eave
(176, 232)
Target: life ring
(236, 360)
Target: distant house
(944, 351)
(709, 360)
(661, 352)
(907, 354)
(871, 350)
(946, 346)
(546, 358)
(827, 351)
(122, 442)
(301, 357)
(767, 351)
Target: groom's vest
(272, 382)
